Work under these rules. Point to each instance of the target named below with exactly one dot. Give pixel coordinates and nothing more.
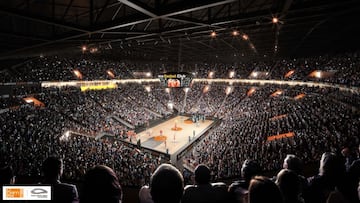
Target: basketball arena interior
(135, 84)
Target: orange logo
(14, 193)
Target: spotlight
(228, 90)
(93, 50)
(110, 74)
(245, 37)
(251, 91)
(213, 34)
(148, 88)
(275, 20)
(78, 74)
(29, 100)
(84, 48)
(211, 74)
(170, 105)
(232, 74)
(254, 74)
(235, 33)
(318, 74)
(206, 88)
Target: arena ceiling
(178, 30)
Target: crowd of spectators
(315, 121)
(29, 134)
(324, 119)
(62, 69)
(333, 183)
(340, 69)
(247, 122)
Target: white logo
(36, 192)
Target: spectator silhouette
(289, 185)
(101, 185)
(353, 176)
(62, 192)
(263, 190)
(202, 191)
(329, 179)
(144, 195)
(358, 189)
(166, 184)
(6, 176)
(238, 190)
(294, 164)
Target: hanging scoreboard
(175, 79)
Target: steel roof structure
(179, 29)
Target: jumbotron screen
(175, 79)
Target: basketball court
(172, 136)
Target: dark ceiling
(178, 30)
